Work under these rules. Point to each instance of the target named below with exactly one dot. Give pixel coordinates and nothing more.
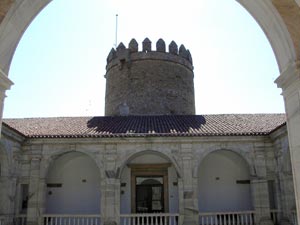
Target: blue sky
(59, 65)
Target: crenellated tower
(149, 82)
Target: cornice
(5, 82)
(289, 76)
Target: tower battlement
(149, 82)
(175, 54)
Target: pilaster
(7, 195)
(110, 207)
(33, 210)
(190, 210)
(289, 81)
(285, 192)
(259, 185)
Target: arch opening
(149, 184)
(224, 183)
(73, 185)
(58, 80)
(287, 55)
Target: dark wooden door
(149, 198)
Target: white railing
(149, 219)
(10, 219)
(20, 219)
(68, 219)
(227, 218)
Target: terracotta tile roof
(135, 126)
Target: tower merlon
(122, 55)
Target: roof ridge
(171, 125)
(207, 114)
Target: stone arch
(239, 152)
(164, 155)
(73, 184)
(144, 165)
(276, 31)
(47, 162)
(13, 26)
(23, 12)
(224, 182)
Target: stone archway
(224, 183)
(22, 12)
(146, 166)
(73, 185)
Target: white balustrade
(7, 219)
(227, 218)
(68, 219)
(149, 219)
(20, 219)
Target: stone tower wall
(149, 82)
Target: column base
(190, 219)
(32, 223)
(110, 222)
(266, 221)
(285, 221)
(189, 222)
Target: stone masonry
(149, 82)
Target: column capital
(36, 158)
(5, 82)
(289, 77)
(186, 151)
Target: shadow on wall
(146, 124)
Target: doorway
(149, 194)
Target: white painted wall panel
(218, 189)
(80, 190)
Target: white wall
(75, 195)
(218, 190)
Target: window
(24, 191)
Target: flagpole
(116, 30)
